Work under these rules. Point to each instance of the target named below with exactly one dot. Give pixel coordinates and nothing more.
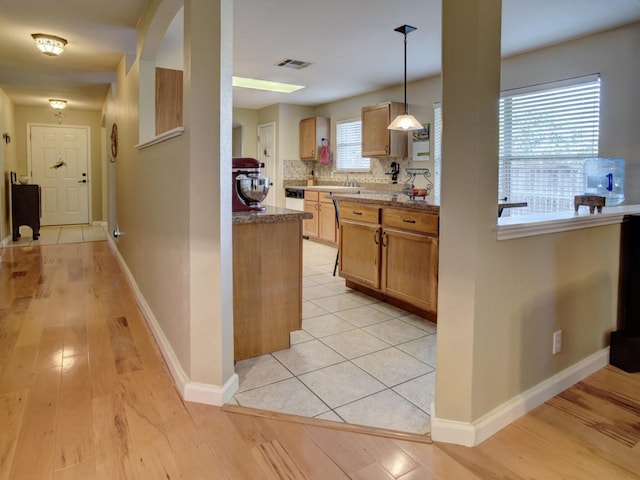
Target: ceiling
(351, 49)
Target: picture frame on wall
(420, 144)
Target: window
(349, 147)
(546, 132)
(545, 135)
(437, 148)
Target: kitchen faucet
(349, 183)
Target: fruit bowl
(413, 192)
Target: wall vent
(295, 64)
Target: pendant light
(405, 121)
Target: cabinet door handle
(357, 213)
(408, 220)
(375, 237)
(382, 239)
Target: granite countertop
(340, 188)
(388, 200)
(270, 215)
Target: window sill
(527, 226)
(174, 132)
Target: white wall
(173, 201)
(8, 163)
(615, 56)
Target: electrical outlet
(557, 342)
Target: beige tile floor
(50, 235)
(356, 360)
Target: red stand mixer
(249, 187)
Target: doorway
(58, 158)
(267, 155)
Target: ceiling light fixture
(405, 121)
(57, 103)
(265, 85)
(49, 44)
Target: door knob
(82, 181)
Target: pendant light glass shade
(49, 44)
(405, 121)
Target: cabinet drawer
(359, 212)
(410, 220)
(311, 195)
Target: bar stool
(335, 206)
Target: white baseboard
(190, 391)
(211, 394)
(99, 224)
(472, 434)
(7, 240)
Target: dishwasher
(294, 198)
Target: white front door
(59, 161)
(267, 155)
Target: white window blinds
(546, 132)
(349, 146)
(437, 148)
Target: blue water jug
(605, 177)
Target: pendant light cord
(406, 110)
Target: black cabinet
(624, 352)
(25, 209)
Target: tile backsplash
(298, 170)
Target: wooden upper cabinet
(377, 139)
(312, 131)
(168, 99)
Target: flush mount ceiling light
(49, 44)
(405, 121)
(57, 103)
(256, 84)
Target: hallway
(51, 235)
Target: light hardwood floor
(85, 394)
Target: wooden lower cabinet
(322, 226)
(410, 267)
(267, 286)
(327, 220)
(311, 205)
(392, 253)
(359, 258)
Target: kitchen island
(267, 279)
(388, 248)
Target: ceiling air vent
(295, 64)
